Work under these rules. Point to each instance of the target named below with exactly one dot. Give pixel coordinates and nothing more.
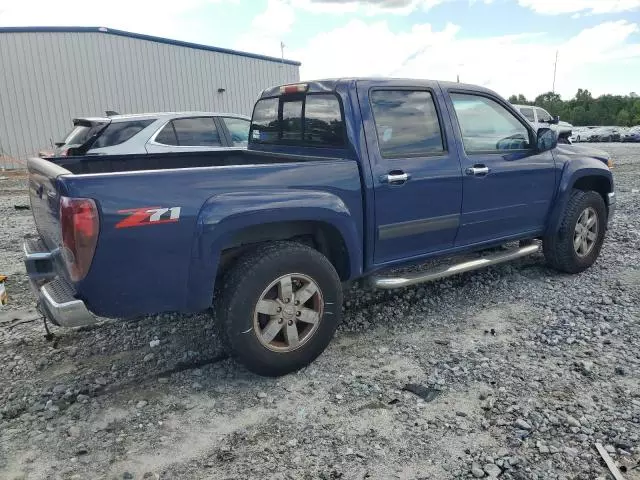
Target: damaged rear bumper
(56, 296)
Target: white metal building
(50, 75)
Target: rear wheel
(576, 245)
(279, 307)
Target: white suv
(155, 133)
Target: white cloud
(268, 29)
(555, 7)
(277, 18)
(367, 7)
(602, 43)
(509, 64)
(360, 49)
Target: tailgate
(45, 199)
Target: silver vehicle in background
(582, 134)
(540, 118)
(155, 133)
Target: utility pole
(282, 60)
(555, 69)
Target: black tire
(559, 249)
(241, 289)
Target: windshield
(543, 115)
(528, 113)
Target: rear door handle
(477, 170)
(395, 178)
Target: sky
(506, 45)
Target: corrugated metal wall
(48, 78)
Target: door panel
(508, 186)
(416, 172)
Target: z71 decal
(139, 217)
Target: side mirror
(555, 120)
(547, 139)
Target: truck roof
(331, 84)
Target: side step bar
(388, 283)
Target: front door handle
(395, 178)
(477, 170)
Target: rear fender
(224, 216)
(573, 172)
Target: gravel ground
(526, 369)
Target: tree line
(583, 109)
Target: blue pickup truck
(343, 180)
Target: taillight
(80, 224)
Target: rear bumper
(56, 296)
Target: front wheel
(279, 307)
(577, 243)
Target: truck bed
(161, 161)
(171, 265)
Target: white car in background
(155, 133)
(540, 118)
(582, 134)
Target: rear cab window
(305, 119)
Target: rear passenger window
(407, 123)
(196, 132)
(119, 132)
(323, 123)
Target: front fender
(573, 170)
(224, 215)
